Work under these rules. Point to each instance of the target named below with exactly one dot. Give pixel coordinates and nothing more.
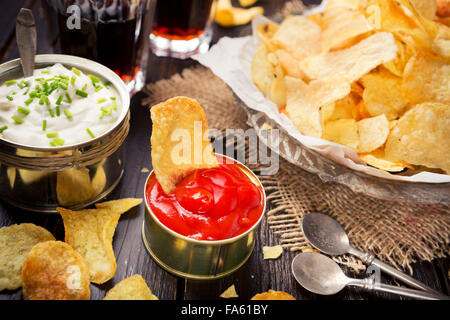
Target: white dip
(57, 107)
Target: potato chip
(230, 293)
(342, 131)
(425, 8)
(352, 63)
(340, 26)
(55, 271)
(90, 233)
(179, 141)
(262, 70)
(426, 78)
(381, 94)
(229, 16)
(15, 243)
(421, 137)
(372, 132)
(132, 288)
(344, 107)
(265, 33)
(289, 64)
(273, 295)
(298, 44)
(304, 101)
(443, 8)
(247, 3)
(119, 206)
(377, 159)
(272, 252)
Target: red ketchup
(209, 204)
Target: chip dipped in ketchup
(209, 204)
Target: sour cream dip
(57, 107)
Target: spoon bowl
(318, 273)
(325, 234)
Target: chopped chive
(47, 102)
(3, 128)
(90, 133)
(58, 101)
(22, 84)
(68, 113)
(98, 88)
(81, 93)
(58, 112)
(113, 98)
(106, 111)
(14, 93)
(69, 99)
(94, 79)
(26, 92)
(23, 110)
(72, 80)
(52, 135)
(62, 76)
(76, 71)
(39, 80)
(9, 98)
(57, 142)
(44, 125)
(10, 82)
(62, 86)
(28, 101)
(52, 114)
(114, 104)
(41, 100)
(17, 119)
(32, 94)
(45, 71)
(84, 87)
(101, 100)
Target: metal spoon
(326, 235)
(26, 40)
(320, 274)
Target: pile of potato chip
(373, 75)
(46, 269)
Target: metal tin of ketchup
(192, 258)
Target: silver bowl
(74, 176)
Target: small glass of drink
(114, 33)
(182, 28)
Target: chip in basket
(55, 271)
(132, 288)
(421, 137)
(15, 243)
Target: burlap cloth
(397, 233)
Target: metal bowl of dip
(40, 178)
(199, 259)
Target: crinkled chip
(304, 101)
(377, 159)
(119, 206)
(341, 26)
(90, 233)
(342, 131)
(421, 137)
(179, 141)
(132, 288)
(299, 36)
(230, 293)
(372, 132)
(273, 295)
(426, 78)
(382, 94)
(55, 271)
(272, 252)
(15, 243)
(353, 62)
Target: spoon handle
(371, 260)
(26, 40)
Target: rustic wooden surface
(257, 275)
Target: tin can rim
(84, 64)
(211, 242)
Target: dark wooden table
(257, 275)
